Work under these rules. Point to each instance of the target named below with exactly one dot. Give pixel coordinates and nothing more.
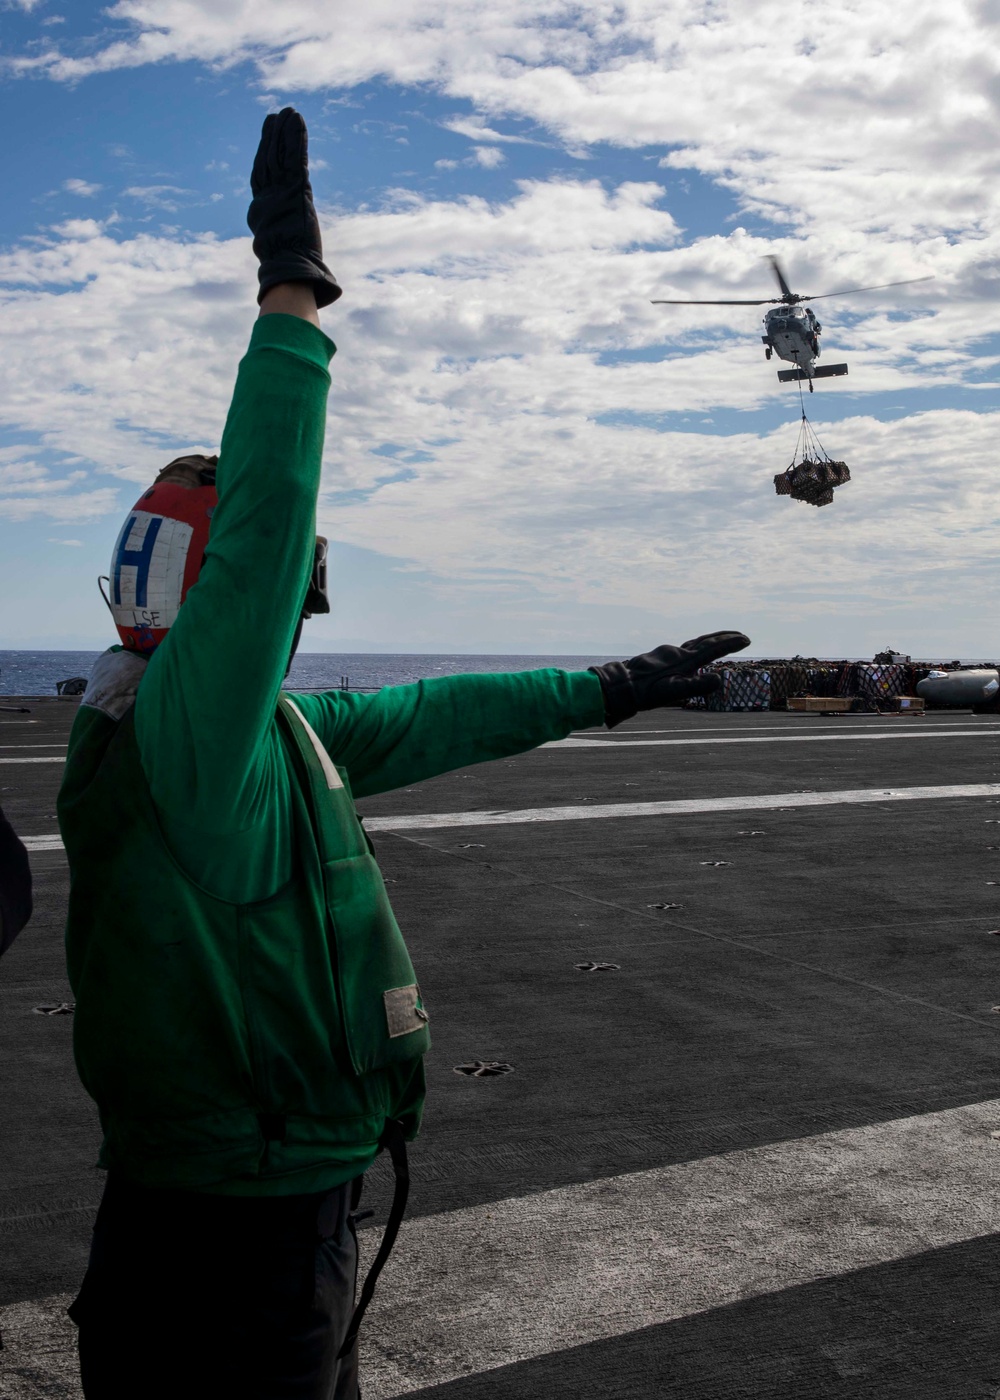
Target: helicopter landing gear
(810, 386)
(767, 353)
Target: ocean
(37, 672)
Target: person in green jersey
(248, 1021)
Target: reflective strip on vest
(332, 776)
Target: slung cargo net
(812, 474)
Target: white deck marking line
(60, 758)
(794, 727)
(429, 821)
(601, 810)
(503, 1282)
(624, 743)
(34, 746)
(515, 1279)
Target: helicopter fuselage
(792, 333)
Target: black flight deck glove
(665, 676)
(282, 216)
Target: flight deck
(713, 1099)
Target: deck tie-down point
(482, 1069)
(61, 1008)
(597, 967)
(715, 862)
(664, 906)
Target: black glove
(664, 676)
(282, 216)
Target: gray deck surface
(836, 979)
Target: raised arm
(206, 704)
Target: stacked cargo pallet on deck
(811, 685)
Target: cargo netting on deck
(874, 681)
(768, 685)
(743, 688)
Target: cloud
(885, 114)
(545, 423)
(28, 490)
(507, 354)
(77, 543)
(477, 130)
(83, 505)
(82, 228)
(161, 196)
(81, 187)
(489, 157)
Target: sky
(523, 454)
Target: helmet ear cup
(317, 598)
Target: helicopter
(792, 331)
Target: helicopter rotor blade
(786, 290)
(768, 301)
(849, 290)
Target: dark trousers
(227, 1298)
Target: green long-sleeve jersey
(247, 1014)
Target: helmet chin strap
(295, 643)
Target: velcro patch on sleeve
(114, 682)
(402, 1013)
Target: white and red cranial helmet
(160, 550)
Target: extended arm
(406, 733)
